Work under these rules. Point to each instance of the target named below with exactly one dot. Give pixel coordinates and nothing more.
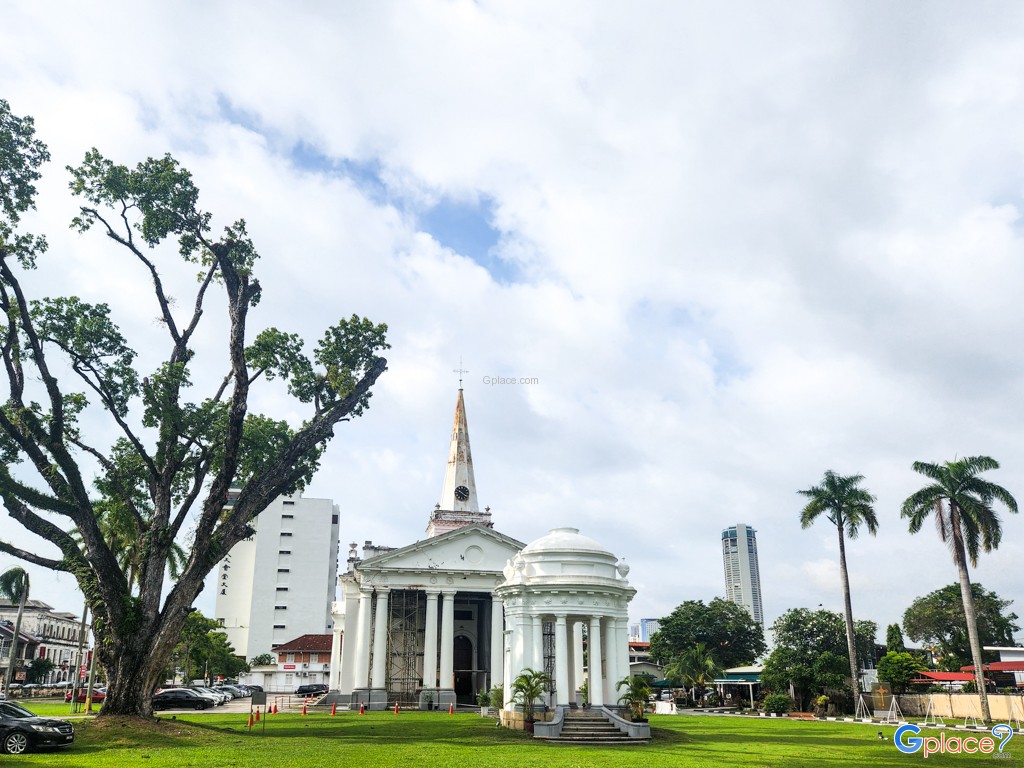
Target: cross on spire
(460, 370)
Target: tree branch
(31, 557)
(158, 287)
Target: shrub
(498, 696)
(779, 703)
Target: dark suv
(313, 689)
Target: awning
(944, 677)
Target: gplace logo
(951, 745)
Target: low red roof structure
(946, 677)
(307, 643)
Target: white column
(611, 660)
(362, 665)
(380, 639)
(519, 647)
(526, 643)
(622, 650)
(594, 666)
(577, 654)
(338, 621)
(570, 660)
(350, 637)
(509, 673)
(561, 663)
(497, 641)
(430, 641)
(447, 680)
(538, 644)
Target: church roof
(467, 531)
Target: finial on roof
(460, 370)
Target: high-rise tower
(280, 583)
(742, 575)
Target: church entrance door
(463, 662)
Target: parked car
(181, 698)
(255, 688)
(221, 697)
(313, 689)
(98, 694)
(21, 730)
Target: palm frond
(14, 584)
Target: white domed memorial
(566, 581)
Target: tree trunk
(14, 638)
(851, 639)
(972, 619)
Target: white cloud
(755, 242)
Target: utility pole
(78, 661)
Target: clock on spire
(458, 505)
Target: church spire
(458, 505)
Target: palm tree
(14, 585)
(846, 505)
(127, 541)
(635, 696)
(527, 688)
(962, 503)
(695, 667)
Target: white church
(468, 608)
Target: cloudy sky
(736, 245)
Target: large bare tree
(67, 365)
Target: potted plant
(526, 689)
(585, 694)
(483, 698)
(428, 697)
(635, 696)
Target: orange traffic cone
(396, 707)
(250, 721)
(334, 708)
(257, 714)
(451, 709)
(362, 708)
(275, 707)
(303, 707)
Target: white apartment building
(280, 583)
(742, 575)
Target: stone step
(595, 731)
(616, 741)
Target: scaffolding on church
(405, 645)
(549, 653)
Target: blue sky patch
(466, 228)
(463, 226)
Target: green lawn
(427, 739)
